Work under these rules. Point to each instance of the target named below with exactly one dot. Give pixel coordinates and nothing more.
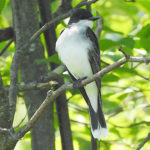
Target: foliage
(125, 91)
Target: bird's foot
(77, 83)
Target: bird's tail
(98, 123)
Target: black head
(81, 14)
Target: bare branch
(64, 6)
(99, 26)
(124, 53)
(6, 34)
(143, 142)
(54, 75)
(78, 122)
(4, 130)
(51, 95)
(49, 80)
(46, 81)
(86, 2)
(22, 120)
(5, 48)
(13, 85)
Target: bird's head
(82, 17)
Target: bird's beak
(94, 18)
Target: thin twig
(99, 26)
(131, 125)
(78, 122)
(13, 86)
(22, 119)
(5, 48)
(52, 75)
(124, 53)
(143, 142)
(4, 130)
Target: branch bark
(6, 34)
(4, 118)
(51, 78)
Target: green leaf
(127, 50)
(125, 72)
(144, 32)
(127, 41)
(143, 43)
(106, 28)
(112, 57)
(83, 143)
(109, 105)
(2, 5)
(110, 78)
(145, 5)
(122, 96)
(53, 59)
(54, 5)
(105, 44)
(115, 131)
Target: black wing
(94, 58)
(94, 54)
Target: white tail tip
(100, 133)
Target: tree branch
(6, 34)
(51, 95)
(46, 81)
(5, 48)
(52, 76)
(99, 26)
(13, 86)
(64, 6)
(143, 142)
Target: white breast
(73, 50)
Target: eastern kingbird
(78, 49)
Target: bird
(78, 49)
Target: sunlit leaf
(127, 41)
(105, 44)
(53, 59)
(2, 4)
(144, 32)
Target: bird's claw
(77, 83)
